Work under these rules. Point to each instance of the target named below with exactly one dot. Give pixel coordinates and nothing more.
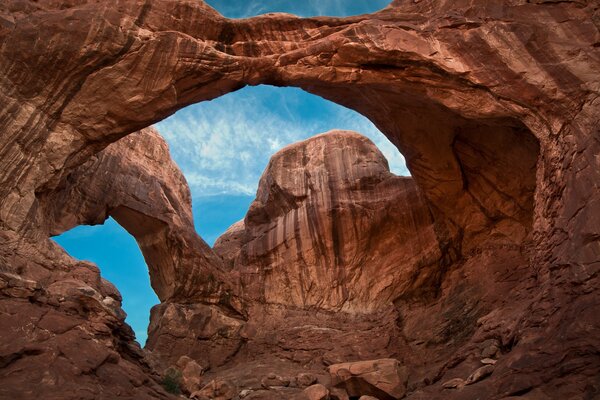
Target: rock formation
(136, 182)
(63, 328)
(494, 106)
(319, 233)
(385, 379)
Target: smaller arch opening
(121, 262)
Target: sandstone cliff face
(493, 105)
(332, 228)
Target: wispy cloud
(306, 8)
(224, 145)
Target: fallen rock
(338, 394)
(456, 383)
(217, 389)
(488, 361)
(305, 379)
(479, 374)
(316, 392)
(384, 379)
(490, 348)
(191, 374)
(273, 380)
(368, 398)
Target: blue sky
(304, 8)
(222, 147)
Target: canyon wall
(494, 106)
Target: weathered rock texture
(494, 105)
(136, 182)
(63, 329)
(385, 379)
(319, 234)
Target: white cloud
(223, 146)
(242, 9)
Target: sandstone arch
(508, 69)
(157, 213)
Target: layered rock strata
(64, 328)
(320, 234)
(136, 182)
(493, 105)
(311, 263)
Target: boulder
(191, 374)
(479, 374)
(217, 389)
(337, 393)
(385, 379)
(456, 383)
(316, 392)
(305, 379)
(274, 380)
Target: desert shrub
(172, 380)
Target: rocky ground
(475, 278)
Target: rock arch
(447, 83)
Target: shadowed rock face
(319, 234)
(493, 105)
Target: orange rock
(326, 213)
(384, 379)
(316, 392)
(495, 107)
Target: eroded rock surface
(136, 182)
(495, 107)
(333, 228)
(385, 379)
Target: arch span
(415, 69)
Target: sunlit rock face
(135, 181)
(332, 228)
(494, 106)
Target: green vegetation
(172, 380)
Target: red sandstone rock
(191, 374)
(384, 379)
(316, 392)
(455, 383)
(319, 234)
(216, 390)
(136, 182)
(204, 333)
(479, 374)
(495, 107)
